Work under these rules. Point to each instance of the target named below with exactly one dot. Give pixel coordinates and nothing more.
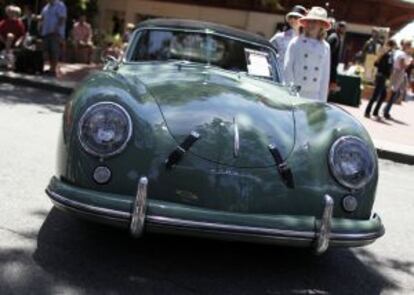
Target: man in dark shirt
(372, 45)
(30, 21)
(384, 65)
(336, 43)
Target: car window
(227, 53)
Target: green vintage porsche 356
(191, 133)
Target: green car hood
(210, 100)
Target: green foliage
(79, 7)
(271, 3)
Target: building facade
(257, 16)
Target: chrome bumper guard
(139, 210)
(137, 220)
(323, 234)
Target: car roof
(202, 25)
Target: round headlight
(105, 129)
(351, 162)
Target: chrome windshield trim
(133, 43)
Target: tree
(79, 7)
(274, 4)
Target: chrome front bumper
(138, 220)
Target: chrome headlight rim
(82, 121)
(339, 178)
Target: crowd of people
(393, 64)
(313, 47)
(305, 55)
(26, 36)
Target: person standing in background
(2, 11)
(307, 61)
(282, 39)
(30, 21)
(384, 64)
(116, 24)
(128, 33)
(12, 29)
(408, 76)
(402, 59)
(53, 18)
(372, 45)
(12, 33)
(336, 42)
(82, 38)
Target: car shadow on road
(103, 260)
(13, 94)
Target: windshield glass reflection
(206, 48)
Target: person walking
(402, 59)
(282, 39)
(307, 62)
(336, 41)
(384, 64)
(53, 18)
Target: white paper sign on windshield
(258, 63)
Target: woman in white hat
(282, 39)
(307, 60)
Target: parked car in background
(191, 133)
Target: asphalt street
(44, 251)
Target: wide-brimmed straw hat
(297, 11)
(319, 14)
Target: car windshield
(224, 52)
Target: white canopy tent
(405, 33)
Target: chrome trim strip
(227, 227)
(139, 209)
(201, 225)
(324, 231)
(77, 205)
(236, 143)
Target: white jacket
(307, 65)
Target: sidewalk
(393, 139)
(67, 79)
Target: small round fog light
(349, 203)
(102, 175)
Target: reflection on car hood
(210, 100)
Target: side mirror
(110, 62)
